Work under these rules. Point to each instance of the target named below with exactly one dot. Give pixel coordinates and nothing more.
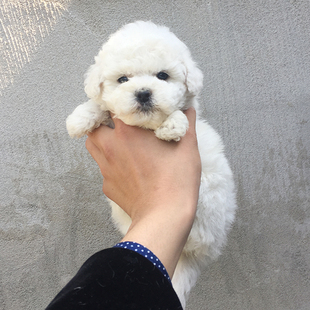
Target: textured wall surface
(255, 56)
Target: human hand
(140, 170)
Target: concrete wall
(255, 56)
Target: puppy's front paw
(85, 118)
(173, 128)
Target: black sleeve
(117, 279)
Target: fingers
(91, 147)
(95, 146)
(120, 126)
(99, 140)
(96, 153)
(100, 132)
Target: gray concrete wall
(255, 56)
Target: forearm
(164, 231)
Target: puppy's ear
(193, 77)
(93, 80)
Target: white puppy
(145, 75)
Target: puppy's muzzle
(144, 98)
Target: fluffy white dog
(145, 75)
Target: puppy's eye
(162, 76)
(123, 79)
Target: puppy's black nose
(144, 97)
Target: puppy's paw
(85, 118)
(173, 128)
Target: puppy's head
(143, 74)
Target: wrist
(164, 231)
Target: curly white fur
(138, 52)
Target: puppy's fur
(145, 75)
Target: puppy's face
(143, 75)
(144, 94)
